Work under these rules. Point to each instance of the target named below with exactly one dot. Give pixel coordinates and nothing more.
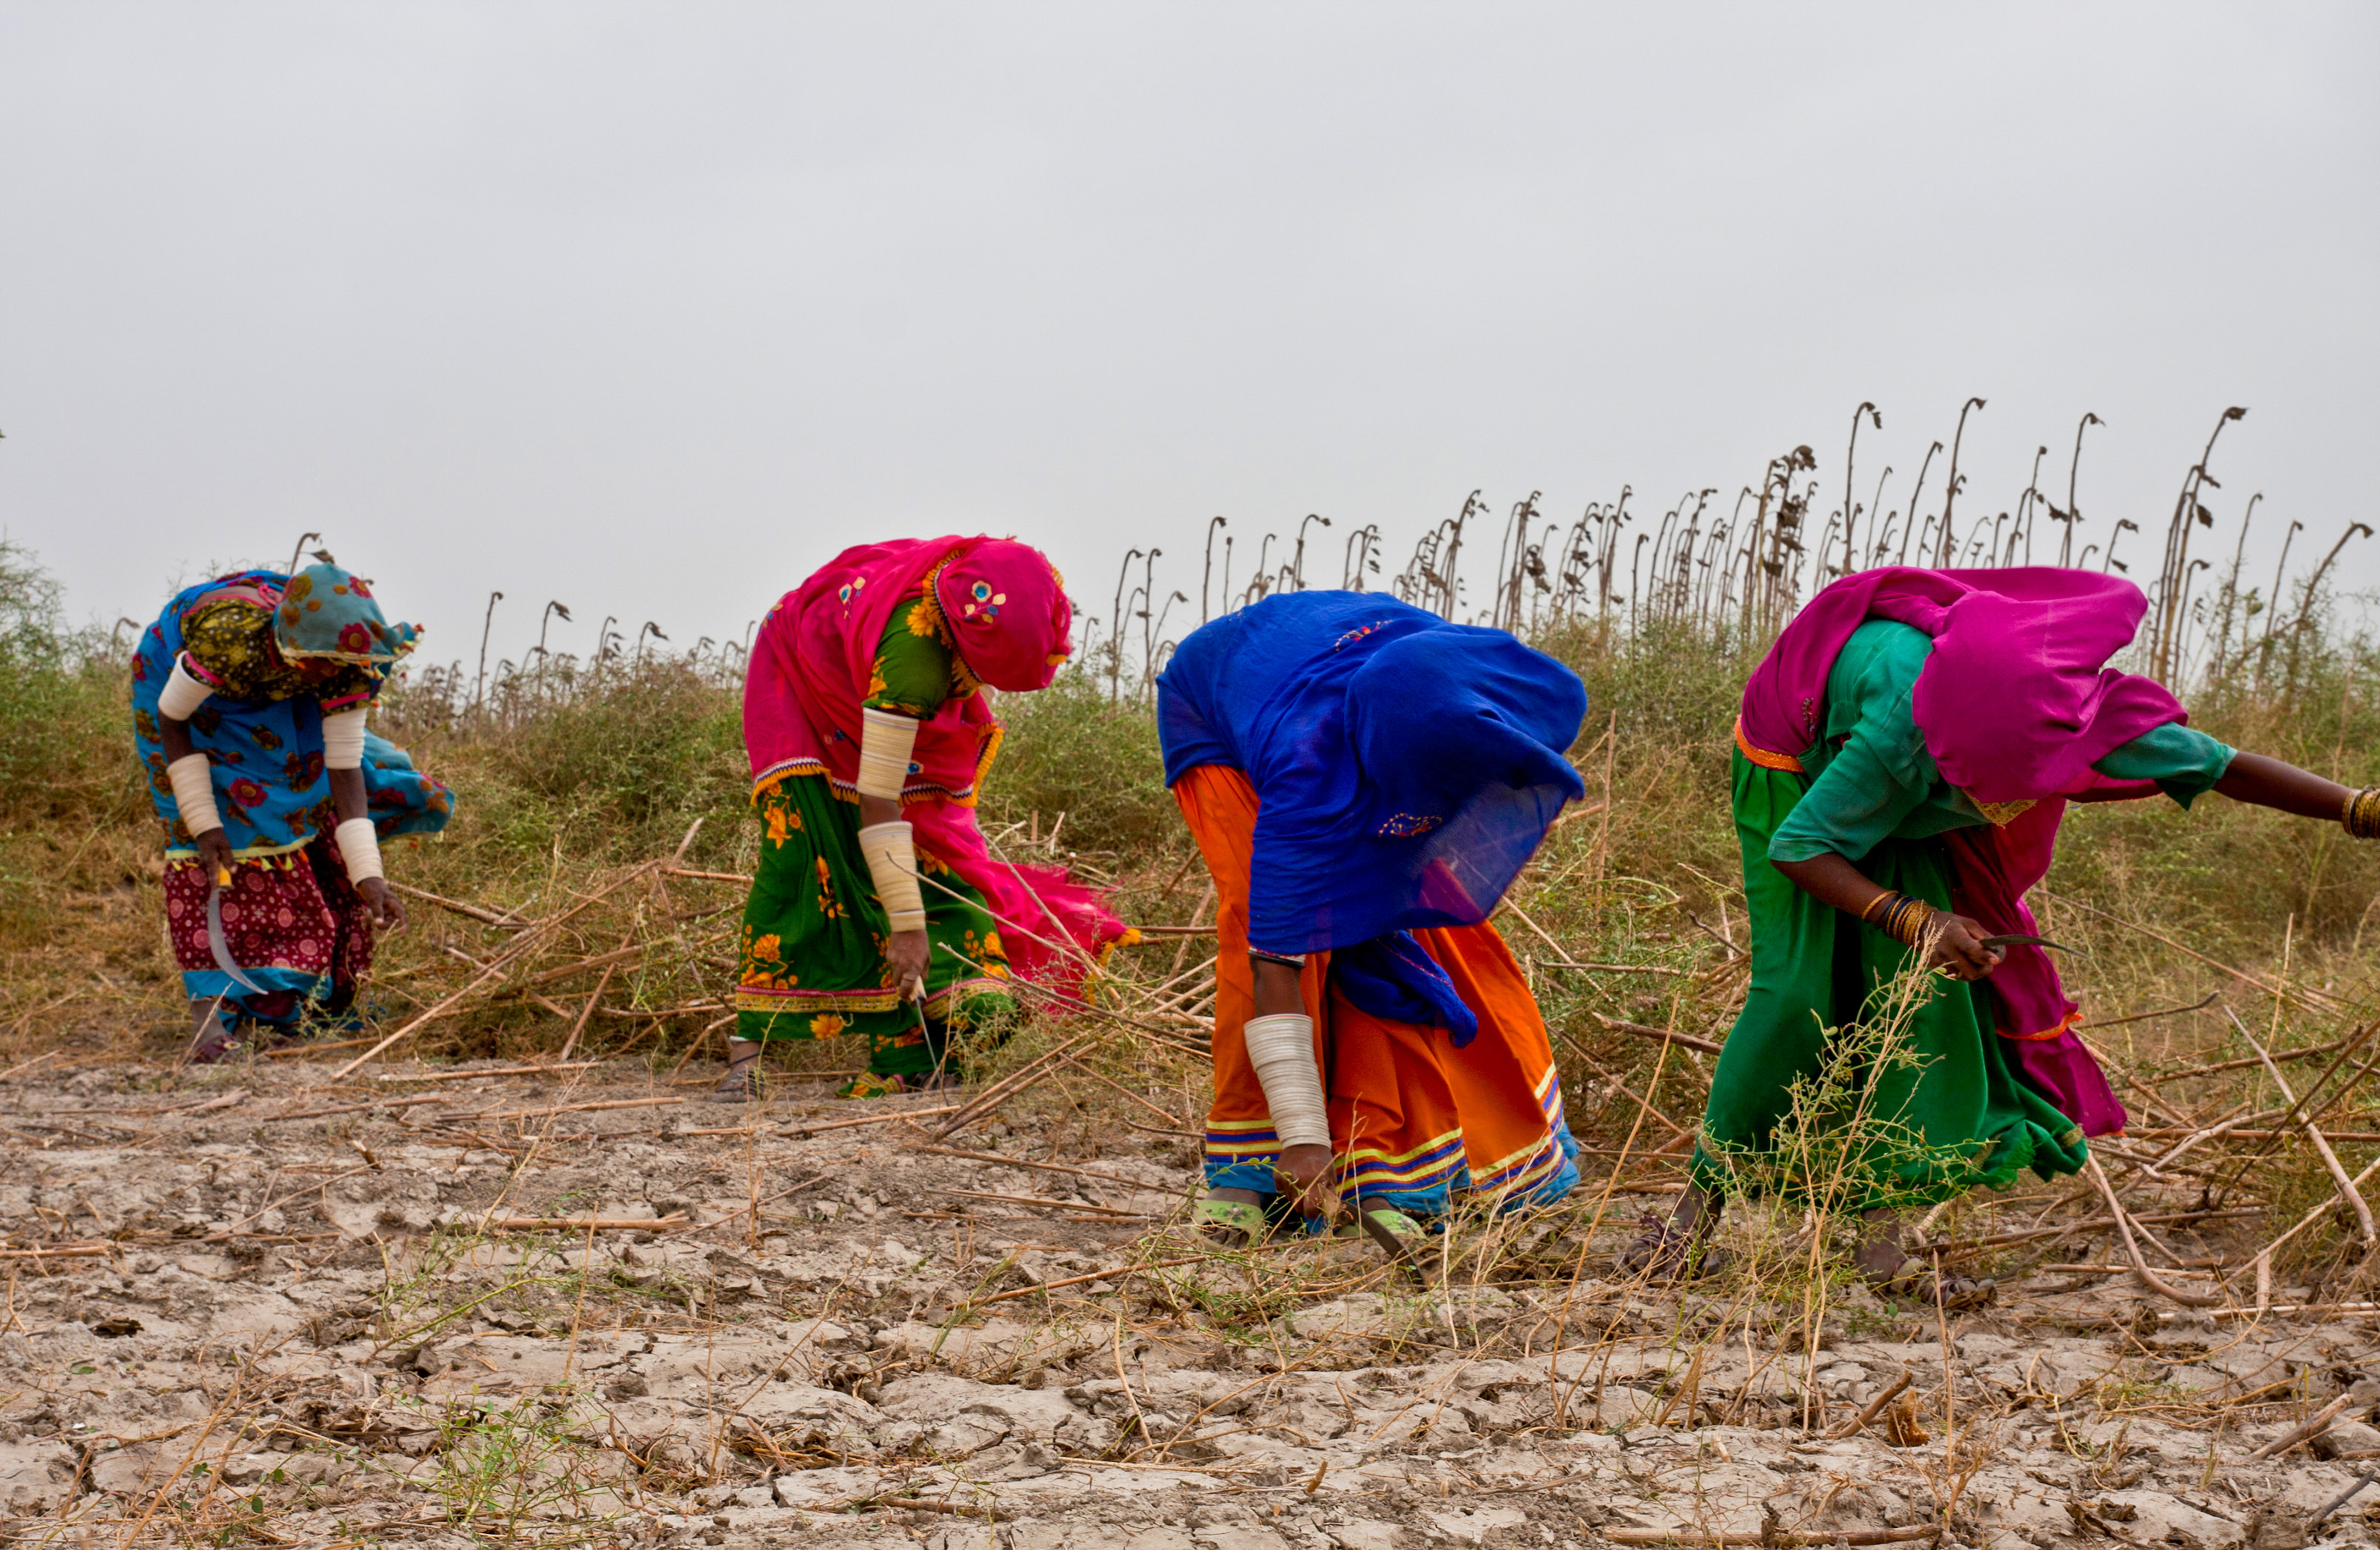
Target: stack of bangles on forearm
(1899, 916)
(2361, 816)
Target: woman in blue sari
(248, 699)
(1364, 781)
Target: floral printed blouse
(916, 668)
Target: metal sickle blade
(2018, 939)
(221, 947)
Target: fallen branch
(294, 1051)
(2264, 1256)
(2311, 1427)
(1644, 1030)
(2330, 1159)
(1000, 1093)
(805, 1132)
(351, 1108)
(571, 1108)
(492, 1071)
(2002, 1240)
(1875, 1407)
(581, 1224)
(2145, 1017)
(1104, 1080)
(2132, 1250)
(919, 1503)
(546, 976)
(1116, 1274)
(473, 910)
(1045, 1168)
(1780, 1536)
(1046, 1200)
(2242, 975)
(519, 947)
(2285, 1057)
(753, 1210)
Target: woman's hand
(387, 909)
(214, 852)
(907, 956)
(1304, 1175)
(1957, 948)
(1831, 879)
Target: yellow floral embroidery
(826, 1025)
(828, 905)
(769, 948)
(784, 823)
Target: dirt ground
(250, 1306)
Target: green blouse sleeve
(1855, 803)
(912, 674)
(2184, 762)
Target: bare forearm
(2262, 781)
(175, 736)
(1951, 942)
(347, 794)
(1833, 882)
(878, 810)
(1276, 989)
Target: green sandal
(1232, 1224)
(1398, 1236)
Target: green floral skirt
(814, 939)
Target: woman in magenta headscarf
(877, 908)
(1903, 760)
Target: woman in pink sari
(1903, 756)
(877, 908)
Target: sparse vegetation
(851, 1273)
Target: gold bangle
(2360, 815)
(1899, 916)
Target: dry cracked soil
(252, 1306)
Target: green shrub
(66, 730)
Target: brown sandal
(742, 1082)
(1920, 1280)
(1666, 1252)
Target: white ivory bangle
(343, 739)
(358, 847)
(182, 693)
(892, 855)
(1281, 1049)
(885, 741)
(194, 793)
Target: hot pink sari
(2016, 701)
(1006, 608)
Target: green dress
(1952, 1111)
(815, 935)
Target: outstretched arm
(2265, 782)
(1834, 882)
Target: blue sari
(270, 785)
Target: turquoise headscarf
(329, 613)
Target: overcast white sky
(651, 307)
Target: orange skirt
(1412, 1119)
